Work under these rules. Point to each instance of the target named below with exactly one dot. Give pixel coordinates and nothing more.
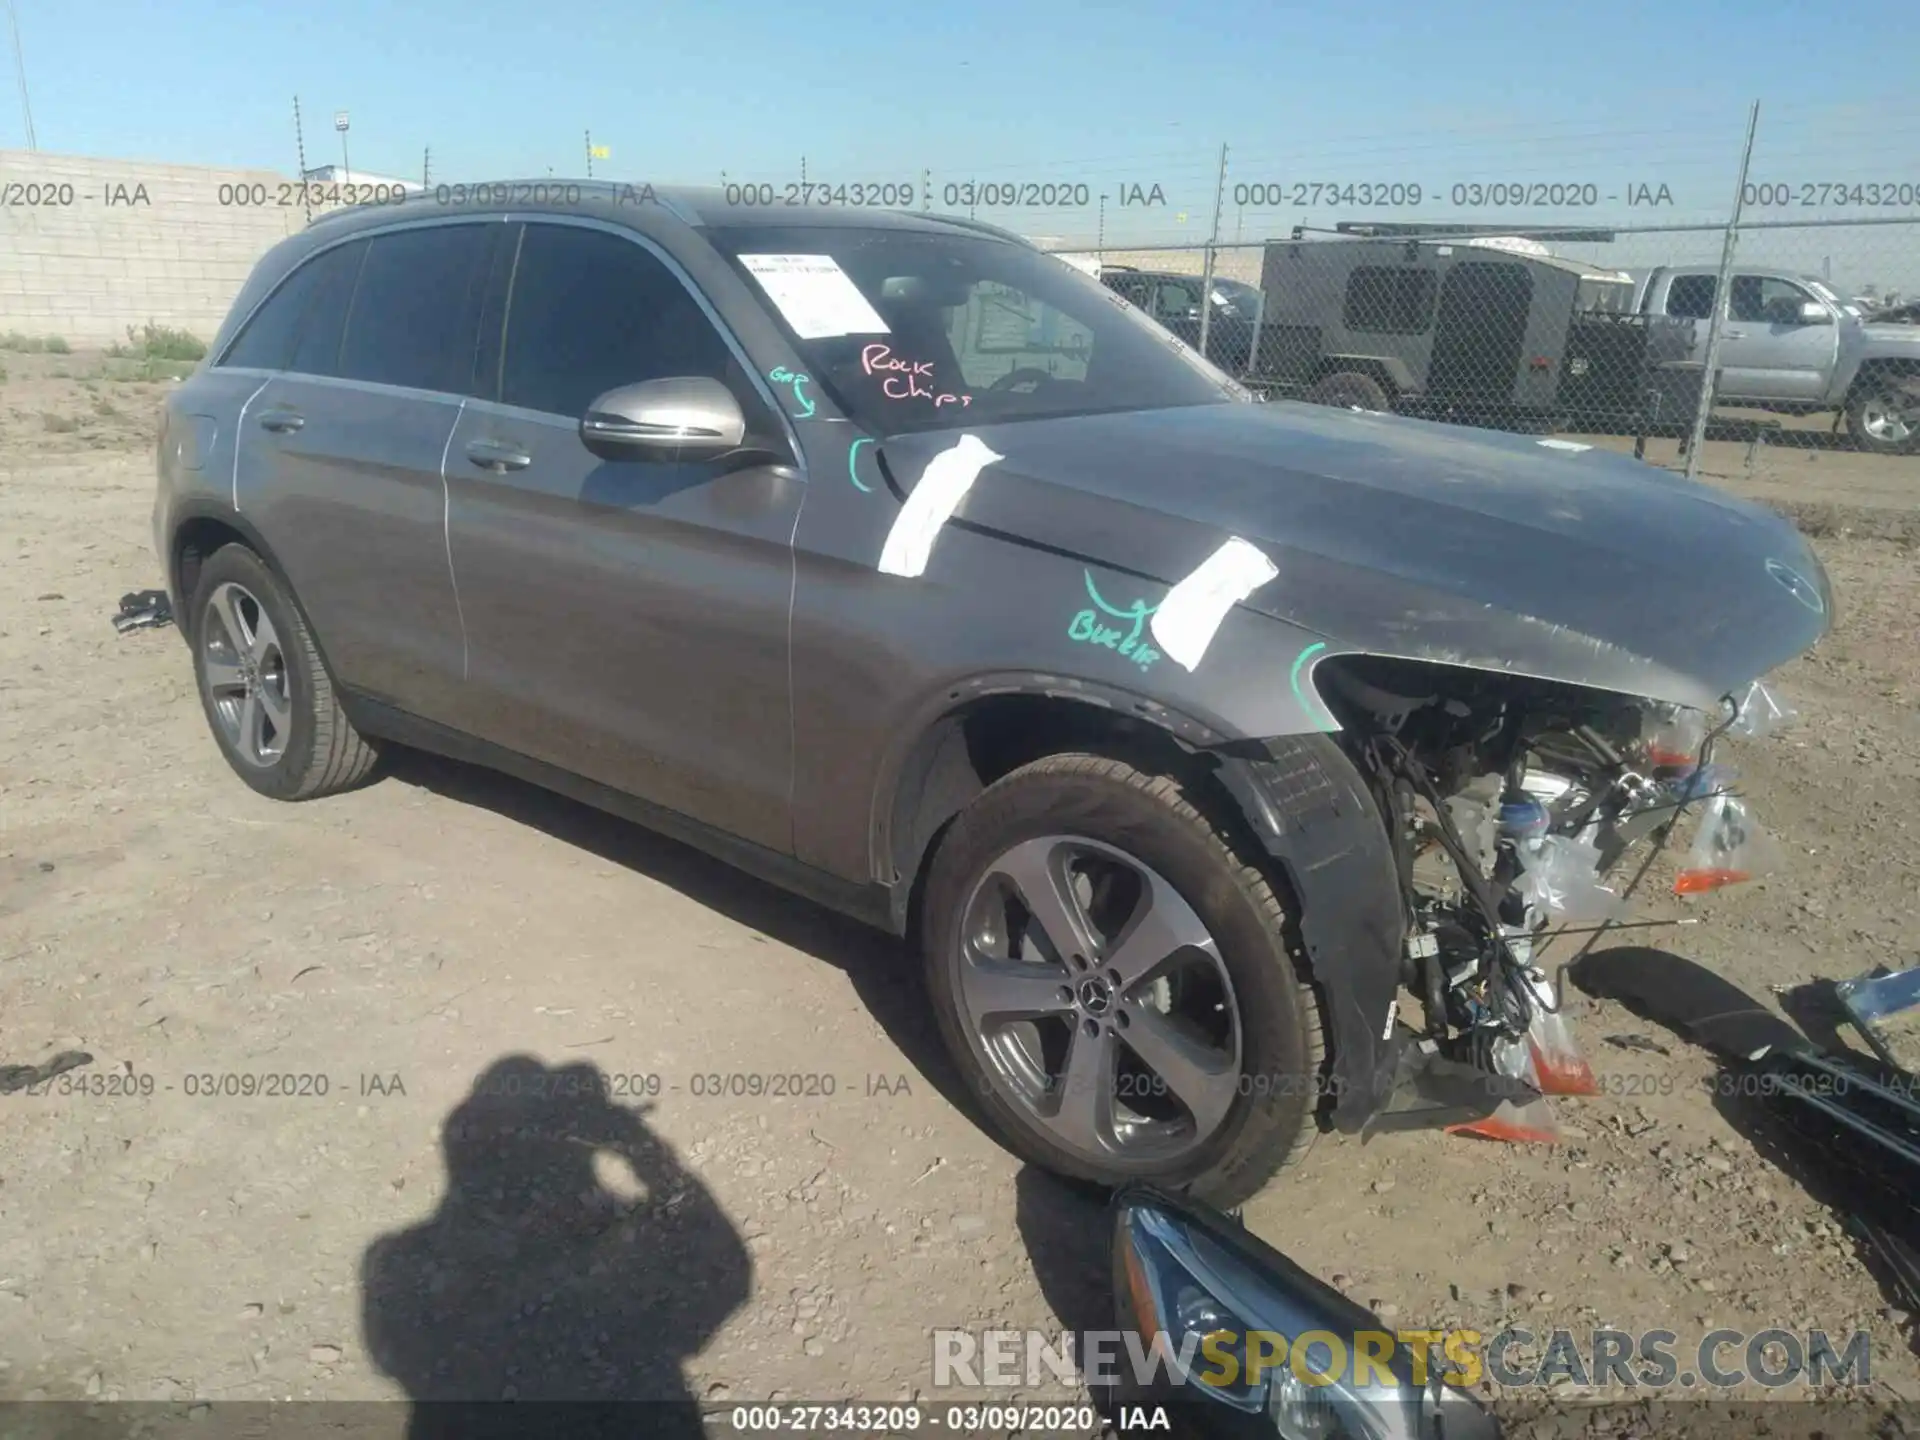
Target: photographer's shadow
(572, 1260)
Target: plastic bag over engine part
(1675, 738)
(1729, 848)
(1562, 878)
(1762, 712)
(1558, 1067)
(1700, 782)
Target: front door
(626, 620)
(1768, 351)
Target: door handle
(497, 456)
(282, 422)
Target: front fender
(1313, 813)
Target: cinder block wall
(93, 260)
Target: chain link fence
(1576, 332)
(1731, 294)
(1771, 336)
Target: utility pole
(426, 168)
(346, 165)
(1206, 273)
(20, 69)
(300, 150)
(1720, 298)
(589, 135)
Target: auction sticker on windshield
(814, 295)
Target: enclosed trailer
(1492, 331)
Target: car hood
(1410, 538)
(1880, 332)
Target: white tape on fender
(948, 477)
(1187, 619)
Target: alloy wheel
(1885, 421)
(246, 673)
(1097, 999)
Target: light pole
(20, 69)
(340, 124)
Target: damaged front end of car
(1521, 810)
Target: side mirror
(1812, 312)
(688, 417)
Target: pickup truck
(1174, 301)
(1789, 343)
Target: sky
(1108, 96)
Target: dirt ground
(413, 1219)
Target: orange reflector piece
(1660, 755)
(1698, 882)
(1140, 1292)
(1533, 1125)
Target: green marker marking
(780, 375)
(1137, 611)
(1086, 627)
(1293, 679)
(853, 472)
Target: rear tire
(266, 693)
(1878, 418)
(1349, 390)
(1223, 1087)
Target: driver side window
(590, 311)
(1765, 299)
(1001, 329)
(1173, 301)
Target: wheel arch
(1880, 367)
(980, 729)
(1296, 803)
(198, 529)
(1391, 374)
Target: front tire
(267, 696)
(1880, 419)
(1114, 980)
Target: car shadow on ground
(884, 975)
(1704, 1009)
(1067, 1230)
(573, 1259)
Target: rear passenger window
(267, 341)
(415, 312)
(1691, 297)
(591, 311)
(318, 350)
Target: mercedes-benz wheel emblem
(1095, 996)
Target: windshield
(912, 330)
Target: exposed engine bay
(1514, 806)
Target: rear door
(627, 620)
(1480, 332)
(344, 453)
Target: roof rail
(982, 227)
